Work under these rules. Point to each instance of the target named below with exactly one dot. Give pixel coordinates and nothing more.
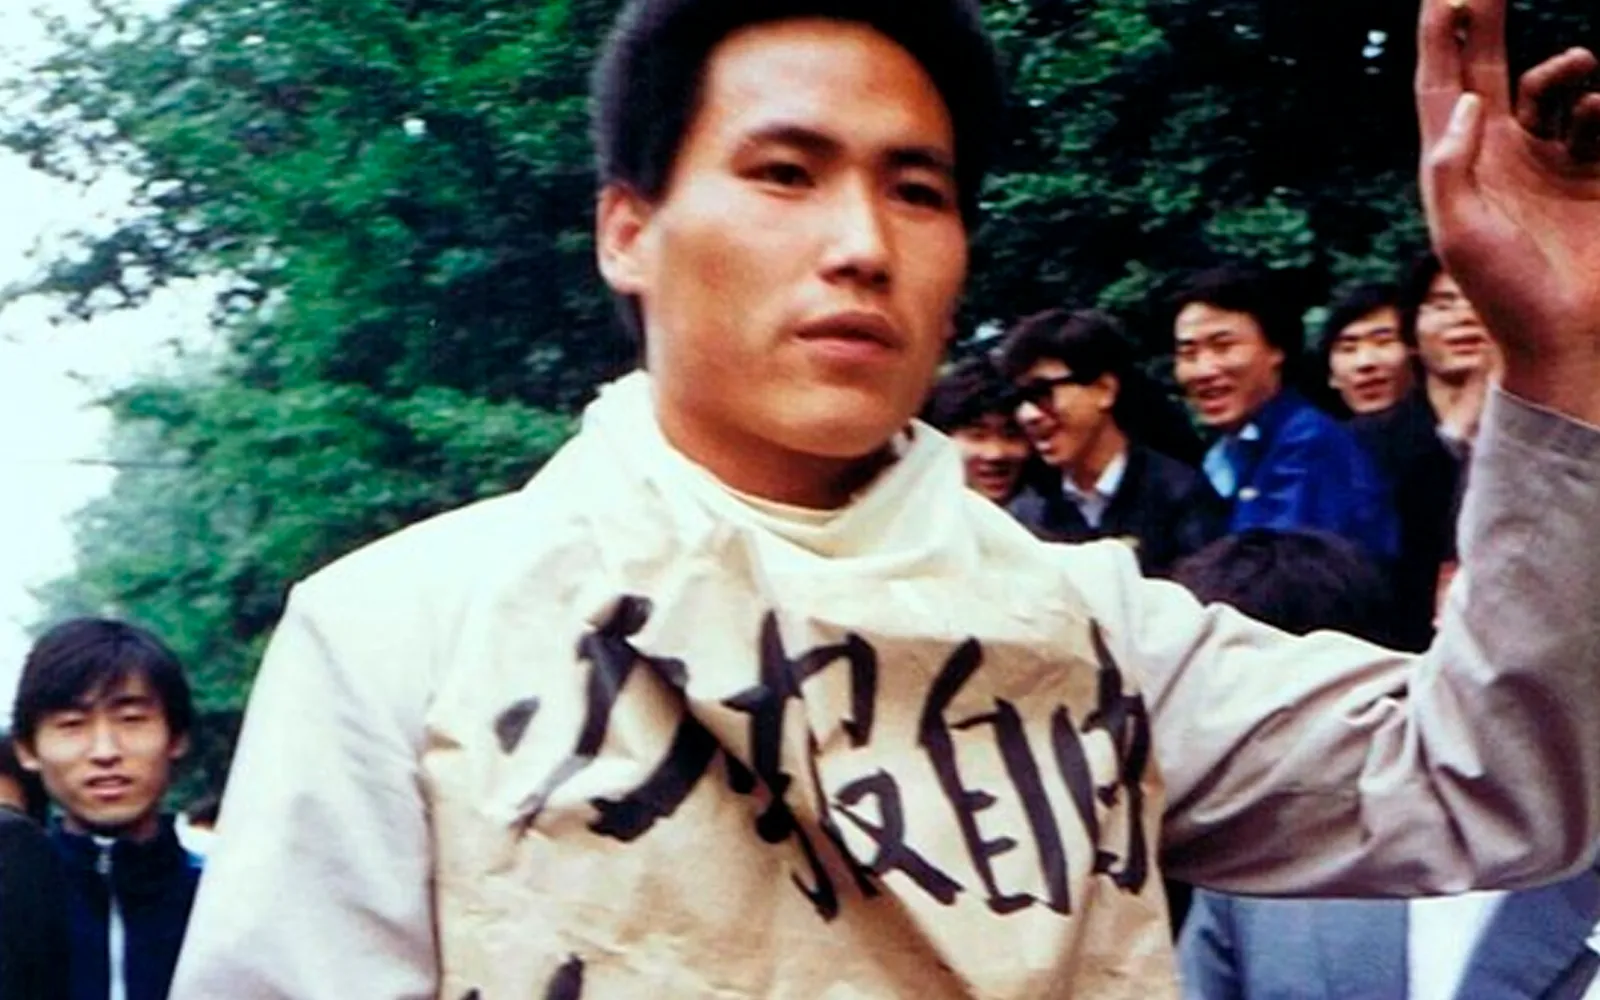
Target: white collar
(1106, 486)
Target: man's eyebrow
(819, 143)
(797, 136)
(1204, 336)
(924, 157)
(129, 701)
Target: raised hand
(1512, 194)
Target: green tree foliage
(398, 194)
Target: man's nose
(989, 450)
(860, 249)
(1029, 414)
(1203, 368)
(103, 743)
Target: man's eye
(923, 195)
(783, 174)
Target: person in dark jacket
(1421, 443)
(102, 714)
(1363, 352)
(1281, 462)
(1097, 424)
(34, 933)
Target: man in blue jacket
(102, 713)
(1280, 461)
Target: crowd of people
(747, 694)
(1062, 427)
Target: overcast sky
(51, 375)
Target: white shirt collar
(1092, 503)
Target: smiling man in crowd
(1098, 425)
(1368, 362)
(102, 715)
(747, 695)
(975, 406)
(1280, 462)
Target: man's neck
(141, 831)
(1106, 447)
(766, 471)
(1457, 401)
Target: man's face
(1063, 418)
(1225, 364)
(107, 761)
(1369, 364)
(1452, 341)
(798, 276)
(993, 451)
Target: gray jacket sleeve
(1327, 766)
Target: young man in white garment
(746, 695)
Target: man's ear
(179, 748)
(26, 757)
(1110, 388)
(621, 220)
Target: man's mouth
(863, 327)
(109, 784)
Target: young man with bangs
(974, 406)
(746, 695)
(102, 714)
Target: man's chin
(113, 825)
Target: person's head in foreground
(1069, 369)
(102, 713)
(1444, 329)
(786, 191)
(1368, 361)
(1298, 581)
(1233, 333)
(974, 405)
(20, 788)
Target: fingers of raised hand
(1584, 143)
(1447, 172)
(1460, 47)
(1548, 96)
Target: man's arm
(319, 886)
(1326, 765)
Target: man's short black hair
(1298, 581)
(1256, 291)
(1352, 304)
(968, 392)
(86, 656)
(1414, 288)
(647, 82)
(36, 801)
(1089, 342)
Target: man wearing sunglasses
(1108, 439)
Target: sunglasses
(1041, 392)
